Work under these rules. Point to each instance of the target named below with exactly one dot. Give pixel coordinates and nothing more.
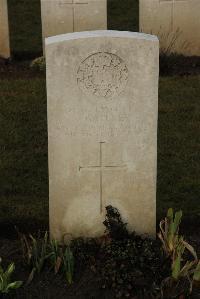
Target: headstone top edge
(99, 33)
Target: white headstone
(102, 89)
(64, 16)
(176, 22)
(4, 30)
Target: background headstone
(4, 30)
(64, 16)
(102, 89)
(176, 22)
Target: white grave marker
(4, 30)
(64, 16)
(102, 89)
(176, 22)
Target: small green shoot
(56, 255)
(35, 253)
(68, 265)
(5, 279)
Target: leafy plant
(35, 252)
(196, 276)
(178, 270)
(172, 243)
(56, 255)
(5, 279)
(38, 252)
(174, 246)
(169, 229)
(68, 264)
(62, 257)
(115, 227)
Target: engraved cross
(101, 168)
(173, 3)
(73, 4)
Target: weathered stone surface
(176, 22)
(4, 30)
(64, 16)
(102, 89)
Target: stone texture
(4, 30)
(102, 89)
(64, 16)
(171, 20)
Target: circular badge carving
(102, 74)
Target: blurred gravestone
(4, 30)
(176, 22)
(63, 16)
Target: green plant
(183, 271)
(35, 253)
(68, 265)
(172, 243)
(169, 229)
(196, 275)
(38, 252)
(55, 255)
(177, 270)
(38, 64)
(5, 279)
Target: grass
(23, 150)
(25, 28)
(23, 126)
(123, 15)
(179, 145)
